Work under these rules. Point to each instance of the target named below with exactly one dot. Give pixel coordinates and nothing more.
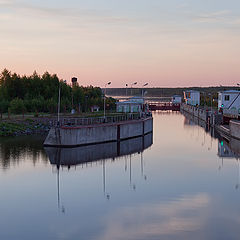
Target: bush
(17, 106)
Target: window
(226, 97)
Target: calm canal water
(184, 185)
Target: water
(183, 186)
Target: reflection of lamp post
(132, 85)
(104, 105)
(104, 181)
(237, 185)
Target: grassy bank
(21, 127)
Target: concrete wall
(83, 135)
(235, 129)
(197, 112)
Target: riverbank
(22, 127)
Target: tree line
(36, 93)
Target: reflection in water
(13, 150)
(88, 154)
(185, 214)
(105, 196)
(99, 152)
(228, 148)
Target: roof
(193, 91)
(176, 96)
(128, 102)
(230, 91)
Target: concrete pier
(234, 126)
(211, 117)
(69, 136)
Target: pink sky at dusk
(166, 45)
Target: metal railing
(80, 121)
(231, 112)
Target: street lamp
(211, 99)
(145, 84)
(59, 101)
(132, 85)
(104, 105)
(126, 89)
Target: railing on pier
(231, 113)
(80, 121)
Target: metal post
(59, 99)
(132, 85)
(104, 107)
(104, 110)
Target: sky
(173, 43)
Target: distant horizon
(124, 84)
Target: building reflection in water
(227, 147)
(99, 153)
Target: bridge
(164, 106)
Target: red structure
(164, 106)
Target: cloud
(172, 218)
(224, 16)
(88, 15)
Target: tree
(17, 106)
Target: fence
(74, 121)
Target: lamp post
(59, 101)
(145, 84)
(210, 94)
(104, 105)
(132, 85)
(126, 89)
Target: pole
(104, 107)
(211, 103)
(59, 99)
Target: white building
(133, 105)
(176, 99)
(192, 97)
(229, 100)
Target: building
(229, 100)
(74, 81)
(133, 105)
(176, 99)
(192, 97)
(95, 108)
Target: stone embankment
(22, 127)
